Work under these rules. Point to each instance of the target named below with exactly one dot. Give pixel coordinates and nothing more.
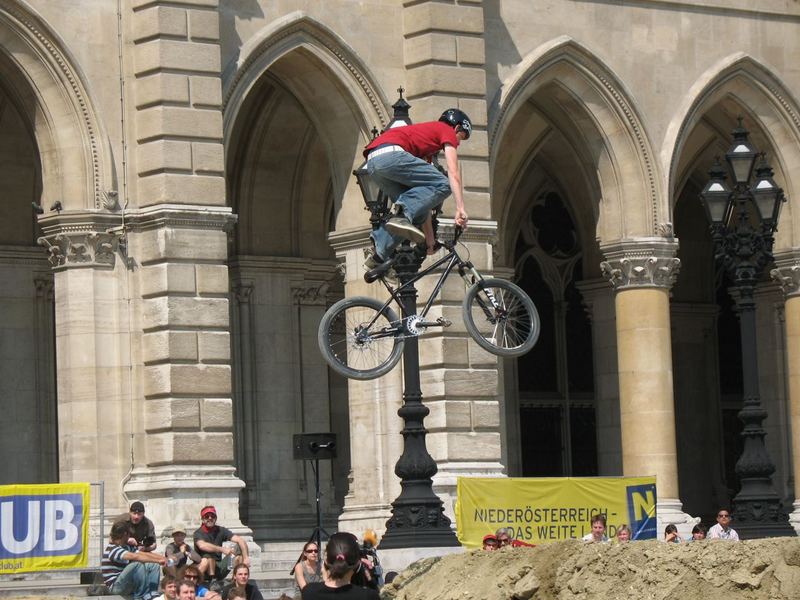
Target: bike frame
(452, 260)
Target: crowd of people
(132, 567)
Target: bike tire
(513, 330)
(364, 357)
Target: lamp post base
(760, 517)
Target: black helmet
(456, 117)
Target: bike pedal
(443, 322)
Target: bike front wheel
(501, 317)
(360, 339)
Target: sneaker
(402, 227)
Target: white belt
(384, 150)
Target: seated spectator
(598, 533)
(623, 534)
(390, 577)
(192, 573)
(128, 571)
(168, 587)
(505, 537)
(671, 534)
(722, 530)
(186, 590)
(179, 552)
(490, 542)
(308, 568)
(236, 594)
(142, 531)
(241, 584)
(698, 533)
(208, 543)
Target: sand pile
(707, 570)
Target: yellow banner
(43, 527)
(549, 509)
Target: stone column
(787, 274)
(642, 271)
(599, 300)
(183, 453)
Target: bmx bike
(362, 338)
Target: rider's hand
(461, 218)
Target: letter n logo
(642, 510)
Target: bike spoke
(360, 348)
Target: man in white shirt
(722, 530)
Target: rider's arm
(454, 175)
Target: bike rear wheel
(501, 317)
(360, 339)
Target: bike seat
(380, 271)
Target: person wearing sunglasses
(308, 569)
(209, 542)
(723, 530)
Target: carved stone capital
(640, 263)
(242, 291)
(311, 294)
(81, 249)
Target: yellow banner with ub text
(548, 509)
(43, 527)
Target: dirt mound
(707, 570)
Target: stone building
(193, 159)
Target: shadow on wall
(229, 12)
(499, 43)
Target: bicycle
(363, 338)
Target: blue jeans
(412, 184)
(138, 579)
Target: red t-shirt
(422, 140)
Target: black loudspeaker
(314, 446)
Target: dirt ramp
(709, 570)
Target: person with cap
(179, 552)
(399, 162)
(208, 543)
(490, 542)
(143, 532)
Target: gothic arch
(599, 120)
(773, 117)
(334, 86)
(48, 85)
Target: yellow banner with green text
(43, 527)
(548, 509)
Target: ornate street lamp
(743, 221)
(418, 519)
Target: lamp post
(418, 519)
(743, 220)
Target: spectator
(192, 573)
(342, 557)
(237, 594)
(186, 590)
(127, 571)
(142, 531)
(623, 534)
(369, 556)
(598, 533)
(390, 577)
(505, 537)
(722, 530)
(490, 542)
(179, 552)
(698, 533)
(241, 584)
(208, 543)
(308, 568)
(671, 534)
(168, 587)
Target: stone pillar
(642, 271)
(787, 274)
(599, 300)
(177, 239)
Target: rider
(399, 162)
